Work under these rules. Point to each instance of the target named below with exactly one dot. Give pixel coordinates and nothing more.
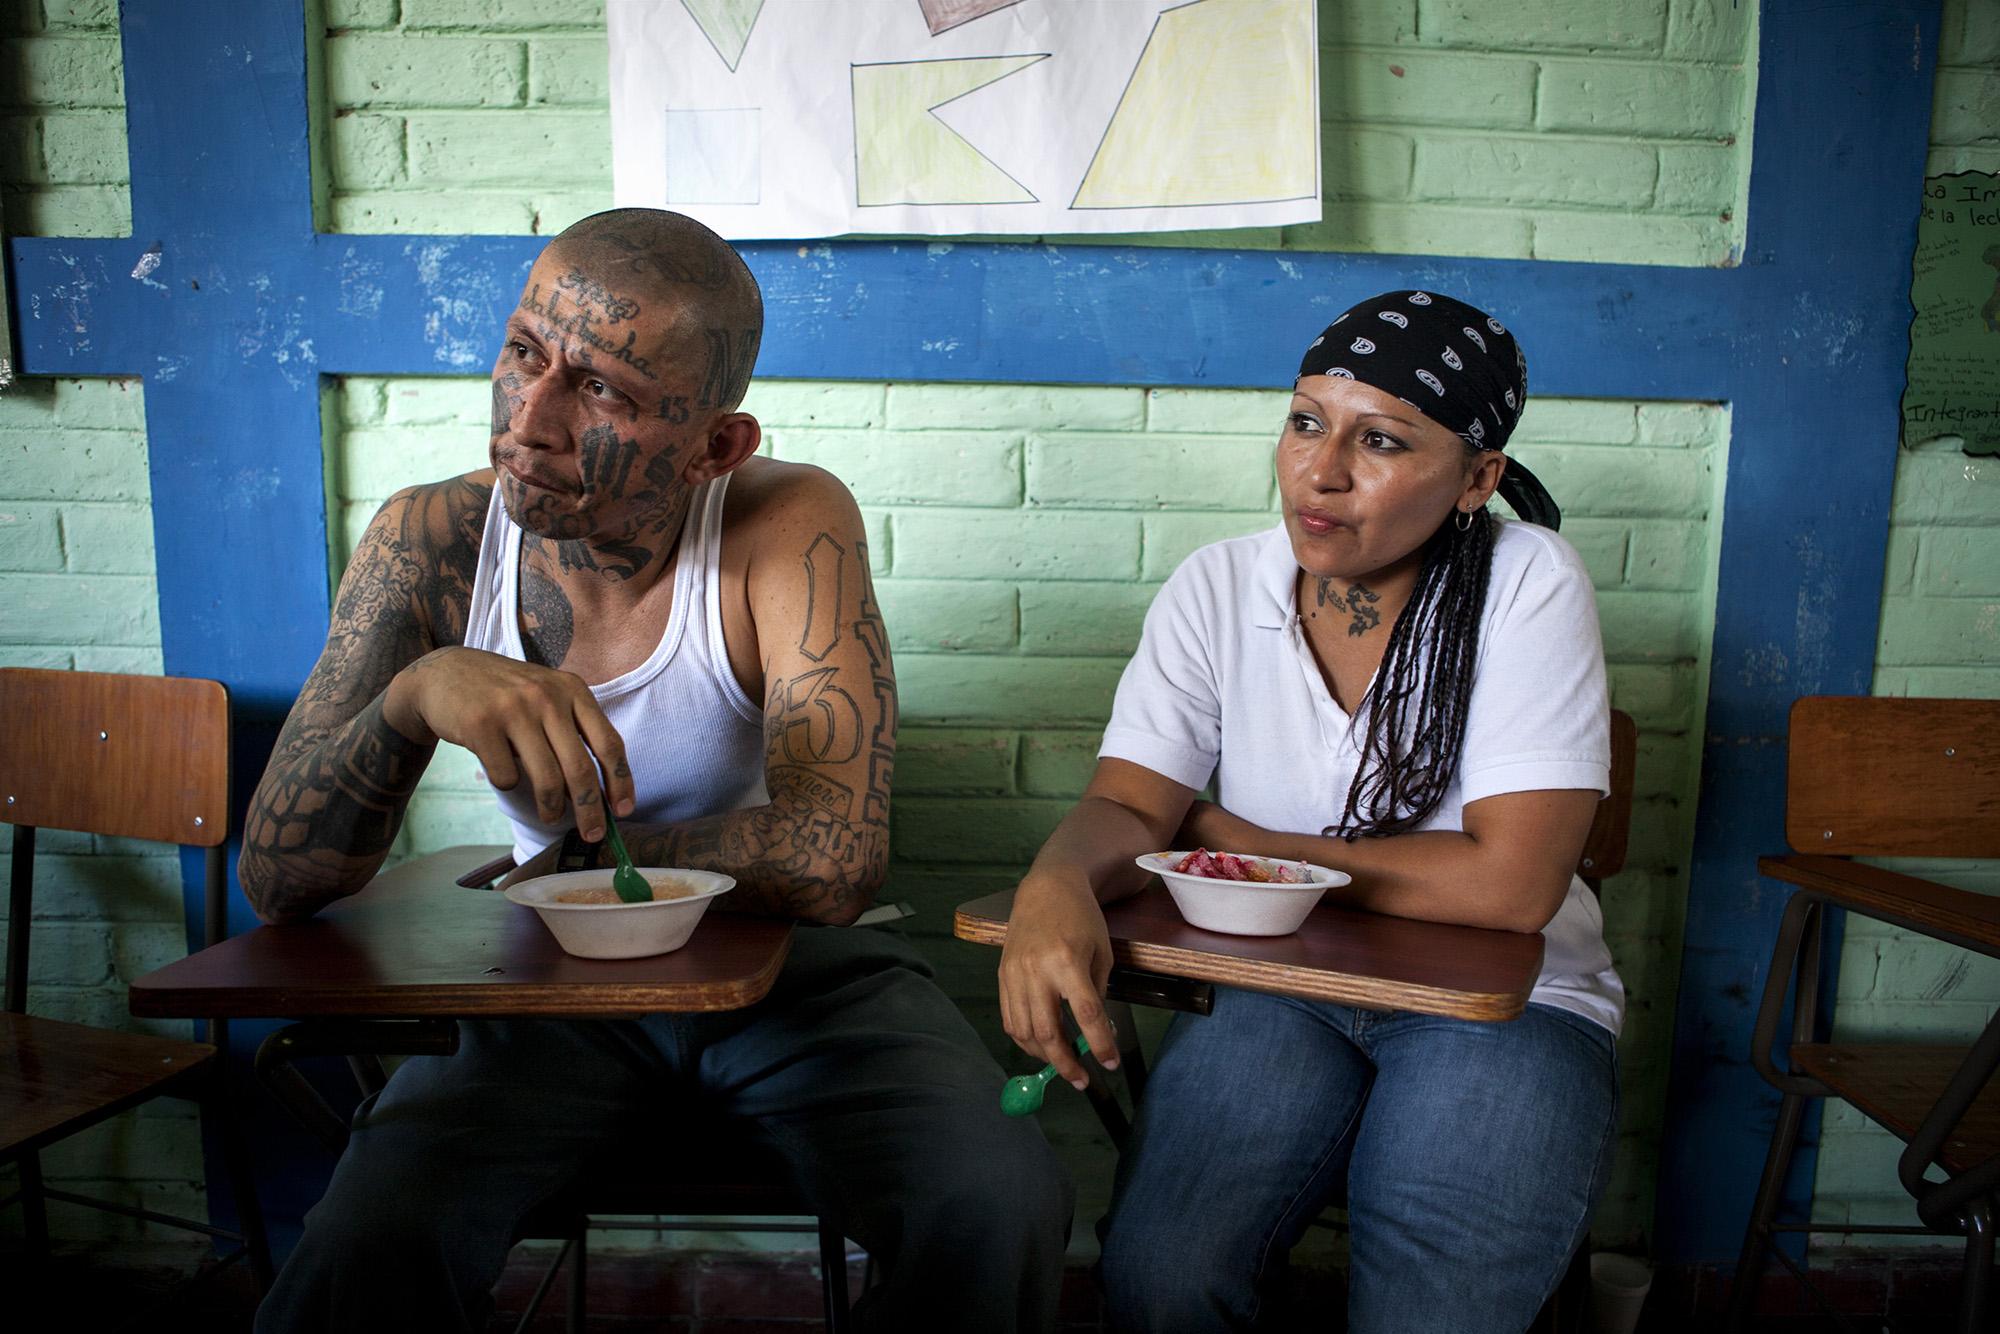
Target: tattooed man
(630, 606)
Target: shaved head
(655, 255)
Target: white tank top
(694, 740)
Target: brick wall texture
(62, 119)
(1016, 558)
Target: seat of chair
(56, 1077)
(1896, 1087)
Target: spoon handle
(1048, 1071)
(626, 880)
(616, 840)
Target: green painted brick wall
(1617, 130)
(62, 119)
(1015, 563)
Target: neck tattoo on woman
(1359, 600)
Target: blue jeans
(856, 1069)
(1470, 1156)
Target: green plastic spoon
(631, 886)
(1022, 1095)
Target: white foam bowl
(620, 930)
(1244, 907)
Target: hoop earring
(1464, 521)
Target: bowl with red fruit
(1239, 894)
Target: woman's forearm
(1514, 882)
(1438, 876)
(1094, 846)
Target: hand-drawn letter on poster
(1954, 375)
(795, 118)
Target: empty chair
(137, 757)
(1885, 778)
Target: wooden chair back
(1604, 851)
(133, 756)
(142, 757)
(1888, 777)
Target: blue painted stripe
(1843, 118)
(395, 305)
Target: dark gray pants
(856, 1069)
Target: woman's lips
(1318, 524)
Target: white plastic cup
(1618, 1287)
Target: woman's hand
(1057, 950)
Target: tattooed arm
(820, 849)
(389, 685)
(333, 794)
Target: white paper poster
(797, 118)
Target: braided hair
(1414, 711)
(1461, 368)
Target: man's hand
(1057, 950)
(525, 723)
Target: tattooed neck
(614, 560)
(1358, 602)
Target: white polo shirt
(1224, 685)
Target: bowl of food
(590, 921)
(1240, 894)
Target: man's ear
(734, 439)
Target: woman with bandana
(1399, 684)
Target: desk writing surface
(413, 944)
(1340, 954)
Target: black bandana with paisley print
(1452, 362)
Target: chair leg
(242, 1185)
(1978, 1267)
(1109, 1114)
(542, 1288)
(1131, 1056)
(579, 1261)
(34, 1209)
(833, 1275)
(1757, 1235)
